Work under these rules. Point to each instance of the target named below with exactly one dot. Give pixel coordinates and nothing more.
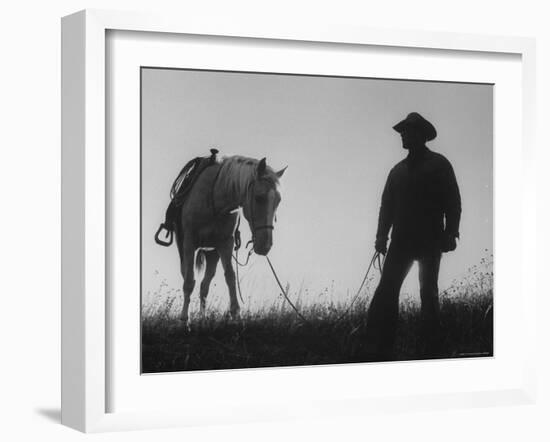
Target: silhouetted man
(421, 205)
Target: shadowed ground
(276, 337)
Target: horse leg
(188, 273)
(212, 259)
(226, 251)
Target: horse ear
(261, 167)
(281, 172)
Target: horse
(205, 225)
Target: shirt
(420, 202)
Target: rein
(373, 262)
(250, 194)
(376, 261)
(283, 291)
(216, 213)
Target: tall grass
(274, 336)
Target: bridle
(251, 206)
(254, 229)
(250, 195)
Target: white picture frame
(85, 310)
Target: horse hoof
(232, 316)
(235, 316)
(184, 324)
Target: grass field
(275, 336)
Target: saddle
(179, 192)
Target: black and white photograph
(254, 221)
(298, 220)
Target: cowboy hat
(416, 122)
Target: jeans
(383, 311)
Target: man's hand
(380, 246)
(448, 243)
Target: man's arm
(452, 204)
(385, 216)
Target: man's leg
(383, 311)
(431, 333)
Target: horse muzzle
(263, 240)
(262, 250)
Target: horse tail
(200, 259)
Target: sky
(336, 137)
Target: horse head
(263, 198)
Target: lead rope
(213, 160)
(236, 256)
(283, 291)
(237, 265)
(374, 260)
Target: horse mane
(237, 172)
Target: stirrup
(169, 234)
